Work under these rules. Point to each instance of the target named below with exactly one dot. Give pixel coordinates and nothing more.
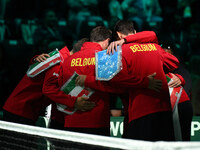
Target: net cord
(111, 142)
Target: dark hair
(169, 45)
(77, 46)
(100, 33)
(124, 27)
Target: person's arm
(170, 62)
(51, 90)
(106, 86)
(103, 86)
(142, 37)
(118, 84)
(122, 82)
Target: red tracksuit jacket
(27, 99)
(83, 62)
(140, 37)
(141, 60)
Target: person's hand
(83, 104)
(42, 57)
(175, 82)
(113, 46)
(80, 80)
(154, 84)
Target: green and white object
(40, 67)
(72, 89)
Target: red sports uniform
(83, 62)
(134, 58)
(27, 99)
(141, 60)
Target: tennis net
(16, 136)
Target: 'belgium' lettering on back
(143, 47)
(83, 61)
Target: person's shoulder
(126, 48)
(128, 45)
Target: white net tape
(96, 140)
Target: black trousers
(10, 117)
(185, 112)
(18, 141)
(56, 125)
(153, 127)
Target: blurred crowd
(32, 27)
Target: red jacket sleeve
(52, 90)
(170, 62)
(103, 86)
(142, 37)
(118, 83)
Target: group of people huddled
(42, 26)
(156, 92)
(141, 84)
